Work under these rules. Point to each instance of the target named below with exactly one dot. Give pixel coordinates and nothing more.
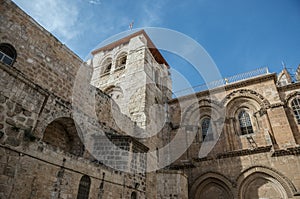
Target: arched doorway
(211, 185)
(213, 188)
(62, 133)
(260, 185)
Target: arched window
(121, 61)
(107, 64)
(206, 128)
(245, 123)
(8, 54)
(296, 108)
(133, 195)
(84, 187)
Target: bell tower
(134, 73)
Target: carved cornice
(227, 87)
(288, 87)
(263, 102)
(288, 151)
(275, 105)
(236, 153)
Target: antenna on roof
(283, 64)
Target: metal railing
(222, 82)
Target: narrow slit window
(84, 187)
(206, 128)
(296, 108)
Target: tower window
(245, 123)
(296, 108)
(121, 61)
(8, 54)
(108, 68)
(107, 65)
(206, 128)
(84, 187)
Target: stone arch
(247, 93)
(106, 65)
(293, 113)
(268, 179)
(249, 104)
(211, 185)
(8, 54)
(191, 113)
(115, 92)
(121, 59)
(105, 57)
(64, 134)
(123, 50)
(234, 105)
(291, 96)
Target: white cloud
(96, 2)
(57, 16)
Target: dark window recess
(133, 195)
(206, 129)
(8, 54)
(296, 108)
(84, 187)
(245, 123)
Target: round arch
(192, 113)
(291, 96)
(106, 64)
(8, 53)
(246, 93)
(121, 59)
(64, 134)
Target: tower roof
(154, 51)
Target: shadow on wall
(62, 133)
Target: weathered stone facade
(240, 140)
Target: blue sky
(239, 35)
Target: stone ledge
(236, 153)
(288, 151)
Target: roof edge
(154, 51)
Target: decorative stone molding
(264, 171)
(263, 102)
(276, 105)
(211, 177)
(290, 96)
(209, 102)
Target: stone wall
(269, 156)
(46, 114)
(171, 185)
(40, 134)
(41, 172)
(40, 56)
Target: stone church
(111, 128)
